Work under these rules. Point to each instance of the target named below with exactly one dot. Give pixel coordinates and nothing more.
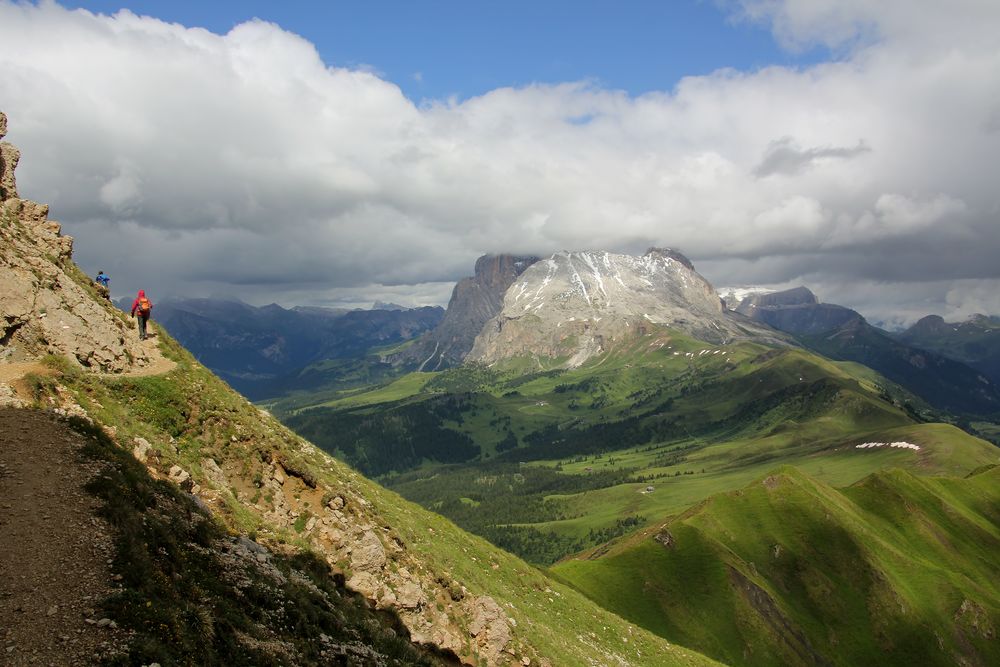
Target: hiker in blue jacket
(102, 281)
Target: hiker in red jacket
(141, 308)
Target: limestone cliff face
(46, 304)
(473, 302)
(576, 305)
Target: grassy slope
(896, 569)
(189, 415)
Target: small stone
(104, 622)
(52, 610)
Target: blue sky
(439, 49)
(340, 153)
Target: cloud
(193, 163)
(783, 156)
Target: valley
(546, 464)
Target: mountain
(473, 302)
(975, 342)
(387, 305)
(733, 296)
(892, 570)
(841, 333)
(255, 348)
(174, 465)
(577, 305)
(796, 311)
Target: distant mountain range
(253, 347)
(975, 342)
(922, 359)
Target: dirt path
(11, 373)
(54, 550)
(158, 363)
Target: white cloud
(250, 166)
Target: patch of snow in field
(897, 445)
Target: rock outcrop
(46, 304)
(577, 305)
(474, 301)
(9, 155)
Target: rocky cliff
(47, 305)
(474, 301)
(576, 305)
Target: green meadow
(546, 463)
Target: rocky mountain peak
(494, 271)
(579, 304)
(46, 304)
(797, 296)
(473, 302)
(929, 324)
(670, 253)
(797, 311)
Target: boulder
(368, 555)
(490, 627)
(141, 449)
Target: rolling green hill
(549, 463)
(894, 569)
